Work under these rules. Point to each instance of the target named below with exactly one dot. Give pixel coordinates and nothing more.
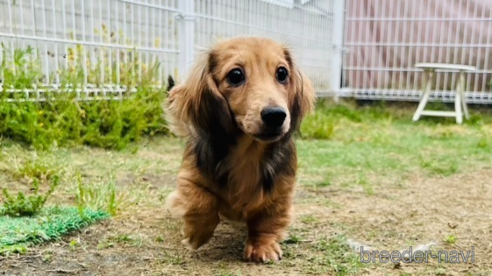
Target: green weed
(292, 239)
(440, 166)
(338, 258)
(228, 273)
(23, 205)
(20, 68)
(120, 239)
(13, 249)
(450, 239)
(102, 196)
(73, 244)
(309, 219)
(34, 169)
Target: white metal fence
(385, 38)
(109, 46)
(308, 29)
(101, 47)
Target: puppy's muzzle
(273, 117)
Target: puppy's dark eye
(282, 75)
(235, 76)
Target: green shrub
(321, 124)
(64, 119)
(318, 126)
(102, 123)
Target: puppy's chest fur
(241, 177)
(248, 174)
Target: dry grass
(379, 181)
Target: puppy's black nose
(273, 116)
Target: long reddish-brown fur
(233, 166)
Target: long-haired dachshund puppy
(239, 109)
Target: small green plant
(292, 239)
(228, 273)
(475, 120)
(309, 219)
(450, 239)
(102, 196)
(338, 258)
(19, 68)
(440, 271)
(484, 141)
(23, 205)
(440, 166)
(365, 184)
(122, 239)
(17, 249)
(73, 244)
(33, 169)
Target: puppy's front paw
(196, 240)
(262, 251)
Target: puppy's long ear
(303, 95)
(197, 107)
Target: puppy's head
(248, 84)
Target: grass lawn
(376, 179)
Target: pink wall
(386, 38)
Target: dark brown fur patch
(295, 111)
(278, 160)
(215, 134)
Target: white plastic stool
(459, 99)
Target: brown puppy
(239, 109)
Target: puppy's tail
(170, 83)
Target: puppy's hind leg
(198, 209)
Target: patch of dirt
(452, 212)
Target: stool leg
(458, 97)
(425, 96)
(463, 98)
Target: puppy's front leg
(266, 230)
(198, 208)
